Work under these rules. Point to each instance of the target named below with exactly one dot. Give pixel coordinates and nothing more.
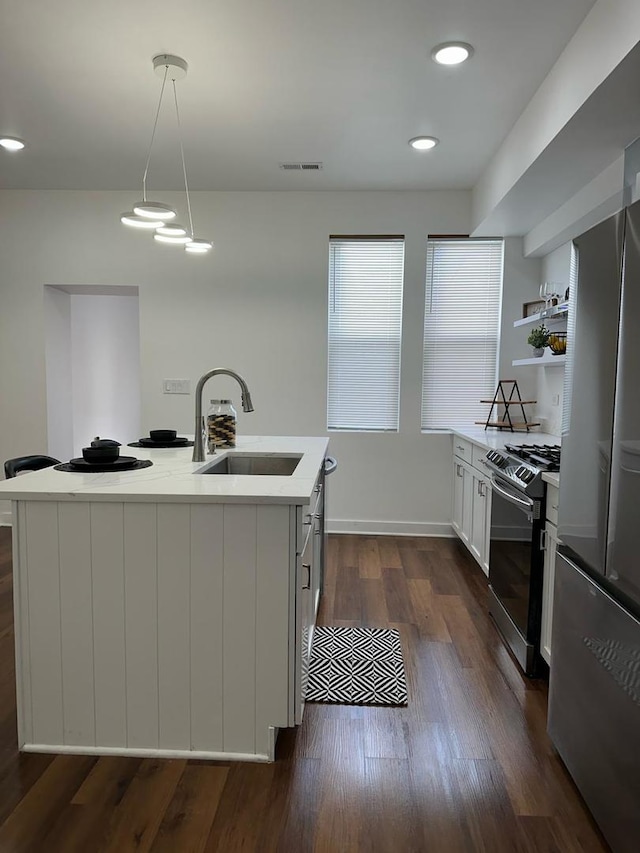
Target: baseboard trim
(391, 528)
(6, 519)
(66, 749)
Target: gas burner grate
(544, 456)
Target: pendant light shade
(155, 215)
(134, 221)
(172, 229)
(154, 210)
(178, 241)
(198, 247)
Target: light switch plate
(176, 386)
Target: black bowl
(162, 434)
(104, 453)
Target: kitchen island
(165, 611)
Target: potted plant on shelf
(538, 339)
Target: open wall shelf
(544, 361)
(557, 312)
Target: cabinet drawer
(477, 459)
(552, 503)
(462, 448)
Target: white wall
(59, 393)
(521, 284)
(257, 305)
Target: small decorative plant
(538, 338)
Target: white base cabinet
(471, 516)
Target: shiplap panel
(74, 526)
(239, 615)
(44, 621)
(174, 534)
(107, 560)
(21, 625)
(272, 621)
(141, 623)
(207, 575)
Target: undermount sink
(254, 464)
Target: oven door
(515, 570)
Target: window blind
(365, 332)
(461, 330)
(571, 325)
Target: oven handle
(508, 495)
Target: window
(461, 330)
(365, 332)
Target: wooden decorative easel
(514, 398)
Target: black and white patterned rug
(356, 666)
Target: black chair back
(20, 464)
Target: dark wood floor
(467, 766)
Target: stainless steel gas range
(516, 557)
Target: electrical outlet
(555, 400)
(176, 386)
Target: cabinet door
(478, 542)
(462, 500)
(550, 545)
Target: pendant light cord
(184, 168)
(153, 134)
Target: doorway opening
(92, 365)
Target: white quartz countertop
(173, 477)
(494, 439)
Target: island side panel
(207, 573)
(45, 655)
(239, 619)
(21, 624)
(273, 570)
(141, 623)
(174, 616)
(76, 621)
(107, 566)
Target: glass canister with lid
(221, 425)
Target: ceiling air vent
(301, 167)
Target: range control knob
(525, 474)
(497, 458)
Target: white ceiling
(345, 82)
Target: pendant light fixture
(155, 215)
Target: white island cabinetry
(163, 611)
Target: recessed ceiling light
(11, 143)
(423, 143)
(451, 52)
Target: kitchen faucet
(247, 406)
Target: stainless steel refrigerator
(594, 698)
